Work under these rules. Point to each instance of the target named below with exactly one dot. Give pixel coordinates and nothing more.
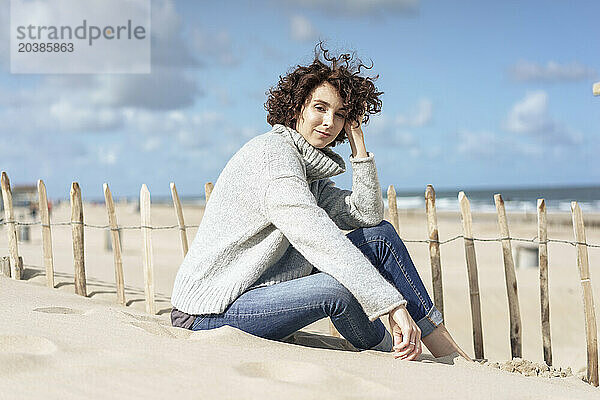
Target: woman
(270, 256)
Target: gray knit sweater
(274, 214)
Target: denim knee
(339, 296)
(387, 231)
(384, 228)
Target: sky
(477, 94)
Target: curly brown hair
(359, 94)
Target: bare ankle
(440, 343)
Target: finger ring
(413, 343)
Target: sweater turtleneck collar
(320, 163)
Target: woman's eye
(341, 115)
(320, 108)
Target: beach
(55, 344)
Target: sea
(558, 199)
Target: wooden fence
(12, 265)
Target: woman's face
(322, 116)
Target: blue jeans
(276, 311)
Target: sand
(55, 344)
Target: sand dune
(55, 344)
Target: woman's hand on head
(354, 127)
(355, 137)
(406, 334)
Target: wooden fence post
(208, 188)
(16, 267)
(544, 293)
(180, 220)
(393, 208)
(116, 244)
(467, 222)
(47, 256)
(511, 281)
(591, 332)
(77, 233)
(147, 237)
(434, 249)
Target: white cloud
(383, 135)
(163, 89)
(551, 72)
(189, 130)
(530, 116)
(149, 123)
(171, 85)
(169, 46)
(418, 116)
(152, 143)
(486, 144)
(359, 8)
(222, 94)
(403, 139)
(477, 143)
(73, 118)
(414, 152)
(214, 47)
(301, 29)
(92, 103)
(385, 132)
(107, 156)
(377, 125)
(84, 103)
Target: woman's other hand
(406, 334)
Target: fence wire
(440, 242)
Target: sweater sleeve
(292, 208)
(361, 207)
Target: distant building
(24, 196)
